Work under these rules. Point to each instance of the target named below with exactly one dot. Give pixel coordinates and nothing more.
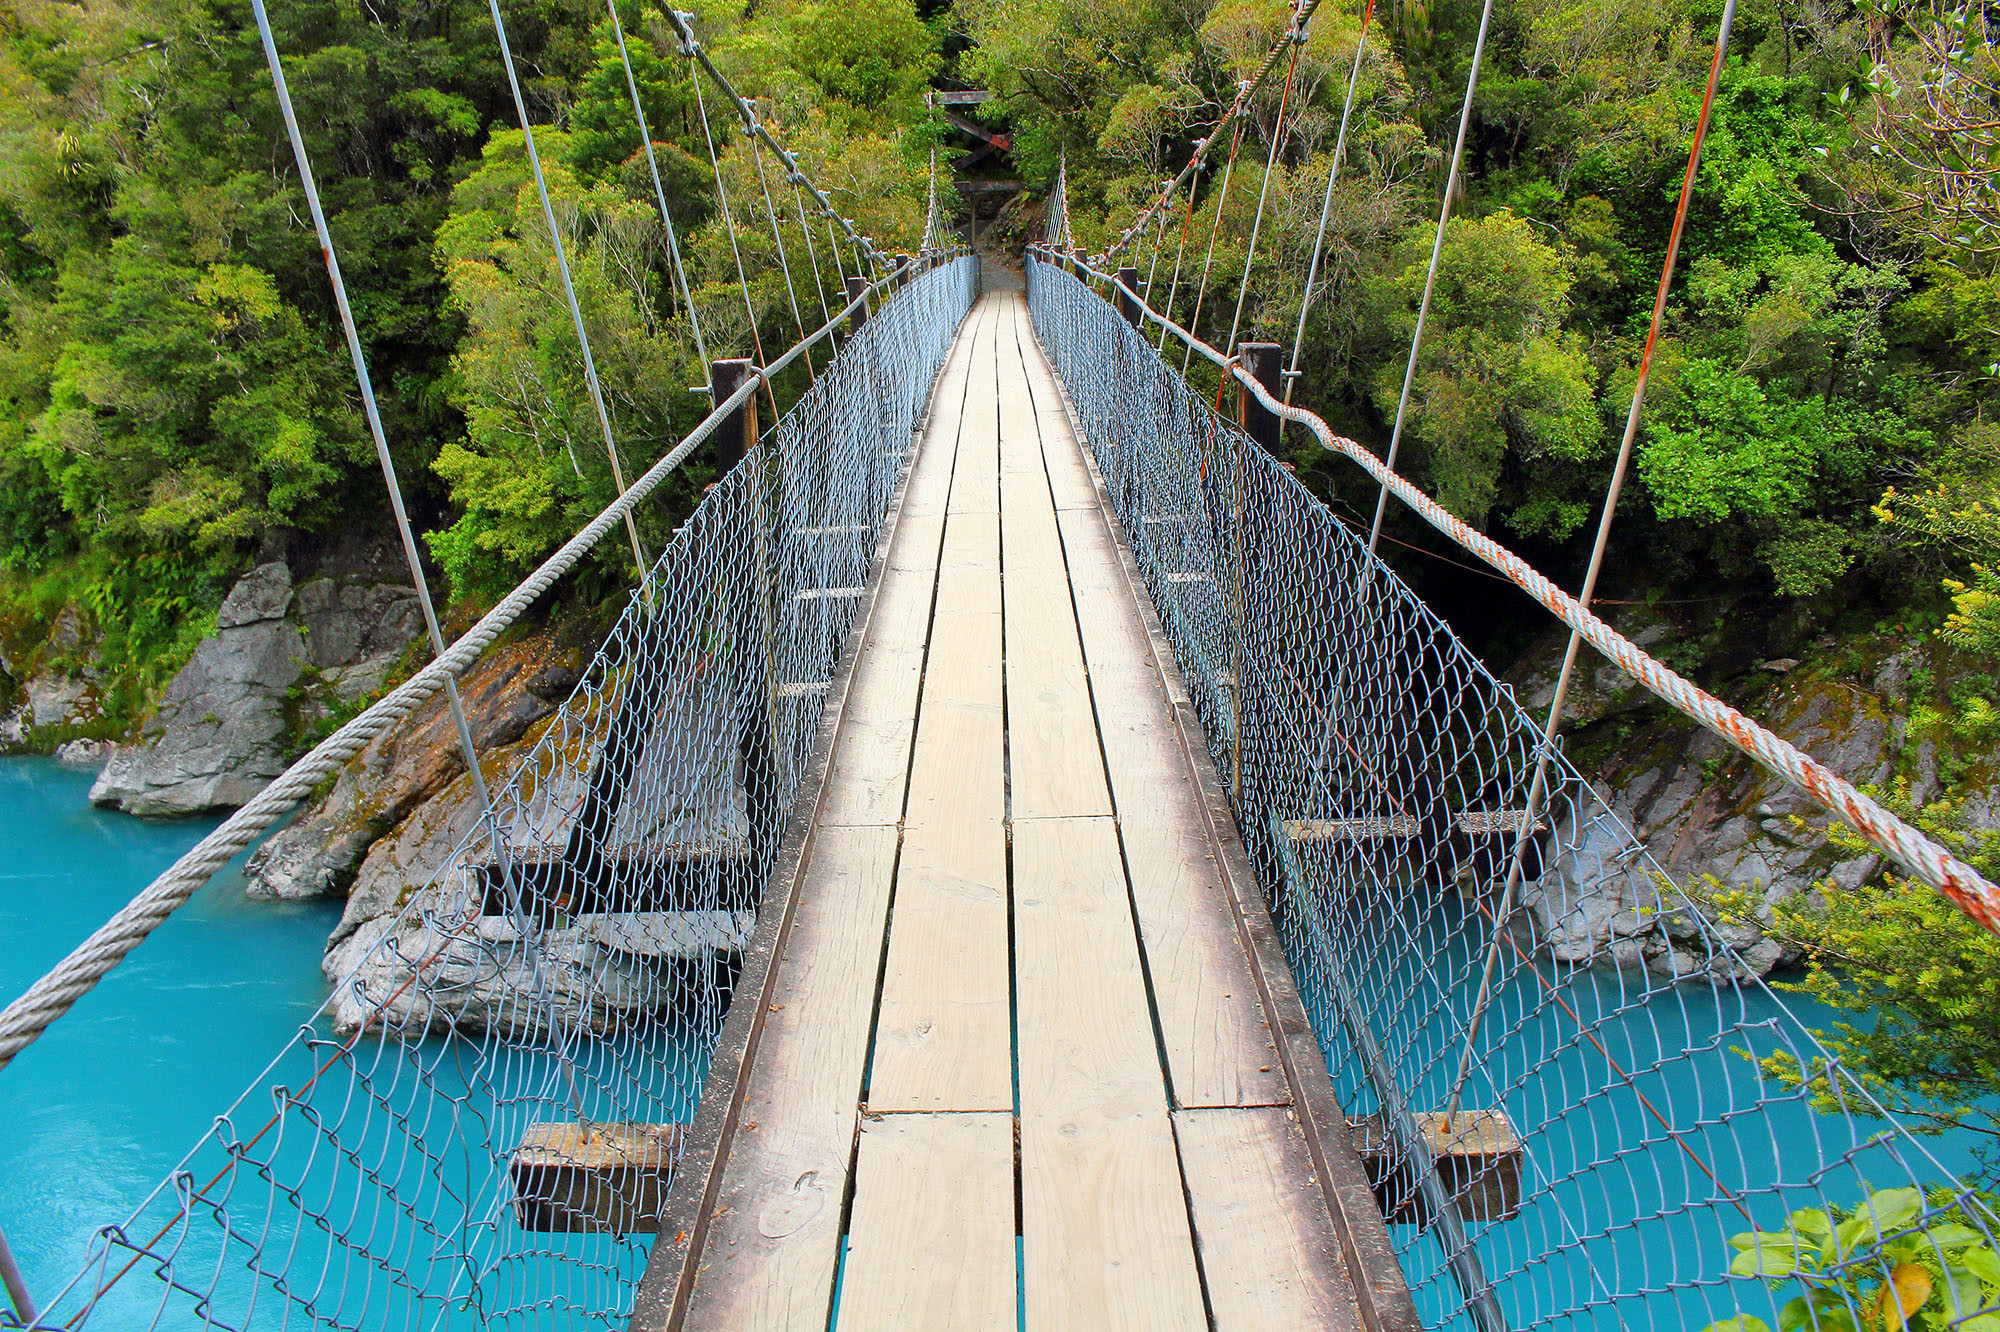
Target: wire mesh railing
(479, 1126)
(1619, 1158)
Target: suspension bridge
(1017, 861)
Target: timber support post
(737, 435)
(857, 290)
(1263, 361)
(1128, 305)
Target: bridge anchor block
(1478, 1161)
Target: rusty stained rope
(1920, 856)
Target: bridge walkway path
(1016, 1070)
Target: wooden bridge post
(902, 271)
(737, 434)
(1128, 306)
(857, 289)
(1262, 360)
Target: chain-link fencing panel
(1559, 1098)
(479, 1126)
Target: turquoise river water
(98, 1111)
(94, 1114)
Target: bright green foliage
(176, 392)
(1920, 978)
(1958, 511)
(1498, 373)
(533, 467)
(862, 52)
(1889, 1264)
(188, 405)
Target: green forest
(177, 399)
(1818, 440)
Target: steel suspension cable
(1180, 252)
(659, 192)
(568, 284)
(1159, 244)
(1919, 854)
(1264, 191)
(1326, 202)
(729, 226)
(1537, 792)
(1221, 202)
(411, 558)
(812, 250)
(692, 48)
(30, 1014)
(1430, 273)
(778, 239)
(1234, 112)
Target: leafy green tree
(1920, 981)
(532, 466)
(1497, 372)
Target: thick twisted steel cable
(683, 24)
(28, 1016)
(1326, 202)
(1431, 272)
(468, 750)
(1264, 190)
(568, 284)
(1920, 856)
(1537, 786)
(1235, 112)
(659, 191)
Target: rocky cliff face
(49, 685)
(382, 788)
(1716, 822)
(279, 656)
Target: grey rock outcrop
(414, 911)
(219, 734)
(390, 780)
(1722, 828)
(279, 657)
(50, 685)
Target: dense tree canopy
(175, 392)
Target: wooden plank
(943, 1036)
(772, 1247)
(931, 1239)
(1069, 476)
(976, 473)
(1218, 1043)
(1268, 1247)
(1105, 1238)
(1054, 765)
(870, 764)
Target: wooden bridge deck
(1015, 1062)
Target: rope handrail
(24, 1020)
(1923, 857)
